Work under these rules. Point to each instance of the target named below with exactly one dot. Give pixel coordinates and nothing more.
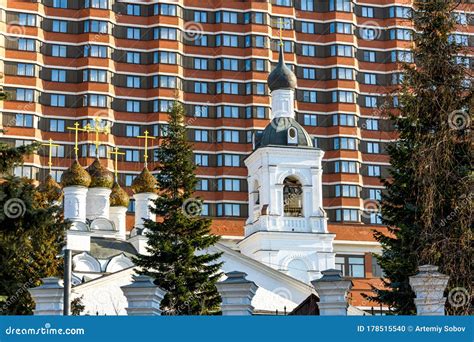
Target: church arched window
(292, 197)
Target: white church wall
(103, 296)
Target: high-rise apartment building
(126, 61)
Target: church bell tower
(287, 226)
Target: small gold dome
(51, 189)
(75, 176)
(100, 176)
(145, 182)
(118, 197)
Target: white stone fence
(144, 297)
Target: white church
(286, 244)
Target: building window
(310, 120)
(25, 69)
(342, 73)
(133, 10)
(230, 160)
(133, 57)
(94, 100)
(373, 170)
(200, 17)
(200, 87)
(372, 124)
(342, 96)
(228, 136)
(340, 5)
(341, 50)
(371, 101)
(201, 111)
(373, 147)
(59, 26)
(24, 120)
(345, 191)
(345, 167)
(369, 56)
(343, 120)
(201, 159)
(202, 184)
(58, 75)
(25, 19)
(58, 50)
(367, 12)
(26, 95)
(133, 106)
(60, 3)
(376, 269)
(347, 215)
(132, 131)
(309, 96)
(56, 125)
(25, 44)
(132, 156)
(375, 218)
(102, 4)
(228, 209)
(201, 135)
(345, 144)
(351, 265)
(228, 184)
(307, 5)
(133, 33)
(343, 28)
(375, 194)
(93, 75)
(370, 79)
(58, 100)
(308, 50)
(307, 27)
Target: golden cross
(116, 153)
(146, 137)
(97, 129)
(51, 145)
(281, 22)
(76, 130)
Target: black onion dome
(100, 176)
(281, 77)
(276, 134)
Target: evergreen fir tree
(428, 203)
(177, 244)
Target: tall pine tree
(428, 203)
(177, 244)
